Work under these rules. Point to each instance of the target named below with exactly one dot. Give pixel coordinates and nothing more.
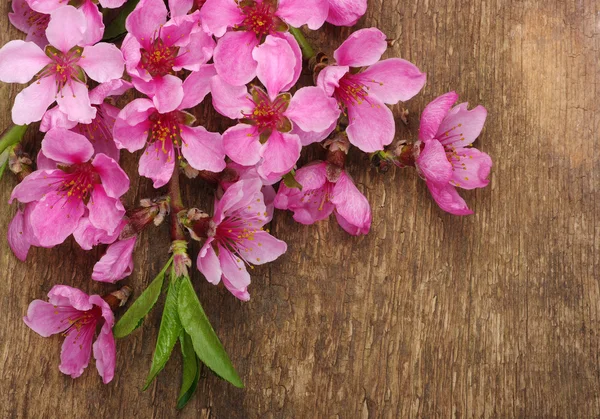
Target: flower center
(259, 17)
(159, 59)
(166, 128)
(63, 67)
(268, 115)
(351, 91)
(79, 181)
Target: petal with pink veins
(362, 48)
(55, 217)
(329, 78)
(230, 101)
(114, 87)
(102, 62)
(117, 262)
(55, 118)
(166, 92)
(218, 15)
(262, 248)
(276, 63)
(280, 154)
(242, 144)
(65, 296)
(112, 4)
(196, 86)
(45, 6)
(433, 115)
(202, 149)
(310, 137)
(66, 146)
(471, 168)
(66, 28)
(311, 13)
(87, 236)
(94, 24)
(233, 57)
(209, 265)
(36, 185)
(233, 268)
(145, 20)
(114, 180)
(77, 350)
(448, 199)
(157, 163)
(346, 12)
(352, 208)
(312, 110)
(196, 53)
(105, 213)
(74, 100)
(105, 353)
(18, 241)
(372, 125)
(20, 61)
(31, 102)
(461, 126)
(46, 319)
(132, 125)
(297, 53)
(393, 80)
(180, 7)
(240, 294)
(433, 164)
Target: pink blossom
(168, 136)
(100, 130)
(76, 316)
(325, 189)
(236, 238)
(27, 20)
(20, 234)
(155, 50)
(250, 172)
(446, 160)
(346, 12)
(266, 133)
(60, 72)
(117, 262)
(364, 94)
(244, 25)
(79, 186)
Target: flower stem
(176, 206)
(307, 50)
(12, 136)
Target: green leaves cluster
(183, 321)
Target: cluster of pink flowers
(248, 56)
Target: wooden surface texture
(430, 315)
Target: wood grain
(494, 315)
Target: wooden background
(431, 315)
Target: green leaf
(206, 343)
(191, 370)
(12, 136)
(3, 162)
(134, 316)
(289, 179)
(170, 329)
(116, 28)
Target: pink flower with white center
(365, 93)
(326, 188)
(346, 12)
(61, 196)
(266, 132)
(60, 71)
(168, 136)
(249, 23)
(27, 20)
(76, 316)
(236, 238)
(446, 160)
(155, 50)
(100, 130)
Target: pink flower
(446, 160)
(100, 130)
(364, 94)
(346, 12)
(326, 188)
(117, 262)
(166, 135)
(79, 186)
(251, 22)
(60, 72)
(27, 20)
(236, 238)
(76, 315)
(155, 50)
(272, 123)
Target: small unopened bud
(150, 211)
(19, 162)
(198, 223)
(337, 149)
(118, 298)
(181, 260)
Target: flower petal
(158, 164)
(32, 102)
(196, 53)
(55, 218)
(117, 262)
(46, 319)
(77, 350)
(146, 19)
(18, 239)
(372, 125)
(132, 125)
(209, 265)
(242, 145)
(276, 63)
(363, 48)
(262, 248)
(471, 168)
(94, 24)
(166, 92)
(102, 62)
(20, 61)
(233, 269)
(230, 101)
(312, 110)
(66, 28)
(114, 180)
(202, 149)
(105, 213)
(329, 78)
(74, 100)
(87, 236)
(36, 185)
(180, 7)
(352, 208)
(448, 199)
(218, 15)
(433, 115)
(196, 86)
(114, 87)
(346, 12)
(462, 126)
(433, 164)
(66, 146)
(280, 154)
(393, 80)
(233, 57)
(63, 295)
(105, 353)
(303, 12)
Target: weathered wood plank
(494, 315)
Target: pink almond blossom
(100, 130)
(60, 71)
(446, 160)
(168, 136)
(268, 118)
(326, 188)
(364, 94)
(76, 316)
(155, 50)
(236, 238)
(243, 25)
(78, 186)
(27, 20)
(346, 12)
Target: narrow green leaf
(170, 329)
(3, 162)
(133, 317)
(191, 370)
(204, 339)
(12, 136)
(116, 28)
